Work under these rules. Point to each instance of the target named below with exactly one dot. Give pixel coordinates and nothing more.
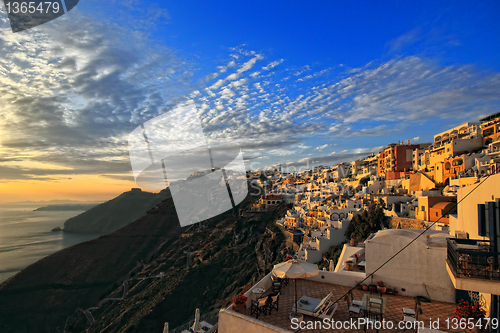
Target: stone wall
(406, 223)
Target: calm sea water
(26, 236)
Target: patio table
(259, 292)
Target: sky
(300, 83)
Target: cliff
(226, 253)
(116, 213)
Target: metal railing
(471, 258)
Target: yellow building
(419, 181)
(423, 210)
(477, 271)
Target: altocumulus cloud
(72, 98)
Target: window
(437, 214)
(423, 208)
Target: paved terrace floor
(393, 312)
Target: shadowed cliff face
(227, 252)
(116, 213)
(45, 293)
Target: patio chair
(372, 314)
(276, 288)
(408, 319)
(411, 312)
(317, 308)
(355, 302)
(354, 311)
(284, 281)
(272, 302)
(259, 306)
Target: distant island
(65, 207)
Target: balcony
(472, 266)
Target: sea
(26, 236)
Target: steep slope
(116, 213)
(227, 252)
(44, 294)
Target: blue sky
(293, 82)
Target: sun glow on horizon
(81, 188)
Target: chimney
(408, 142)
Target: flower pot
(365, 287)
(381, 290)
(353, 242)
(241, 308)
(373, 288)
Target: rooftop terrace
(432, 310)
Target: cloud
(70, 97)
(427, 39)
(406, 39)
(345, 156)
(273, 64)
(322, 147)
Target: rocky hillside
(227, 252)
(116, 213)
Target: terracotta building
(396, 158)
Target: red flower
(240, 299)
(467, 310)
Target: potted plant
(288, 257)
(239, 303)
(466, 310)
(353, 242)
(348, 265)
(381, 288)
(365, 287)
(391, 291)
(372, 287)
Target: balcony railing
(470, 258)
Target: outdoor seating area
(265, 305)
(388, 307)
(315, 307)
